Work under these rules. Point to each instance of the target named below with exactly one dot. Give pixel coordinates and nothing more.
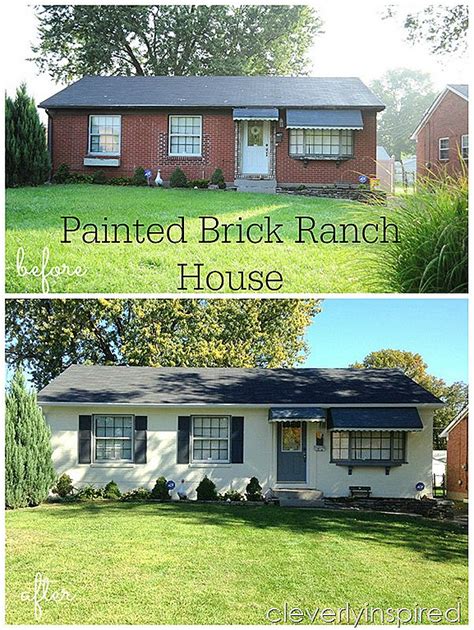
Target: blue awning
(375, 419)
(255, 113)
(324, 119)
(287, 414)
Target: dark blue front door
(291, 459)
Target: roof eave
(58, 403)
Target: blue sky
(348, 329)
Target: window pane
(291, 436)
(255, 134)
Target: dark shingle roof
(462, 88)
(96, 91)
(184, 386)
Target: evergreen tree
(26, 153)
(29, 472)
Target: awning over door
(324, 119)
(287, 414)
(375, 419)
(255, 113)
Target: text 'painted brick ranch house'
(320, 430)
(261, 131)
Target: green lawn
(34, 222)
(197, 564)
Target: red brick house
(456, 434)
(442, 140)
(261, 131)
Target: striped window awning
(375, 419)
(255, 113)
(288, 414)
(324, 119)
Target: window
(444, 148)
(185, 135)
(322, 142)
(357, 446)
(113, 438)
(104, 135)
(210, 438)
(465, 146)
(291, 437)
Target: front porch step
(299, 497)
(256, 185)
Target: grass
(205, 564)
(432, 256)
(34, 222)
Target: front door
(291, 460)
(255, 147)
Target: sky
(356, 42)
(348, 329)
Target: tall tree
(26, 153)
(407, 94)
(29, 472)
(412, 364)
(46, 336)
(75, 40)
(444, 28)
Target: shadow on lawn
(436, 541)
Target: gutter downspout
(49, 140)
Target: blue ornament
(363, 179)
(170, 484)
(420, 486)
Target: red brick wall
(448, 120)
(457, 460)
(145, 138)
(145, 143)
(291, 171)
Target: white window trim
(210, 462)
(441, 159)
(184, 135)
(285, 450)
(334, 156)
(112, 462)
(464, 146)
(89, 152)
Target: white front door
(255, 147)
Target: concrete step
(256, 185)
(300, 497)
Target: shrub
(218, 178)
(138, 178)
(79, 178)
(253, 490)
(432, 255)
(63, 487)
(206, 490)
(198, 183)
(112, 491)
(178, 179)
(26, 154)
(138, 494)
(120, 181)
(99, 177)
(90, 493)
(62, 174)
(233, 495)
(160, 491)
(29, 472)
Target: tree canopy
(75, 40)
(46, 336)
(26, 154)
(407, 94)
(412, 364)
(443, 27)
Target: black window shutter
(237, 440)
(184, 427)
(85, 442)
(141, 427)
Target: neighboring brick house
(456, 434)
(261, 131)
(442, 140)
